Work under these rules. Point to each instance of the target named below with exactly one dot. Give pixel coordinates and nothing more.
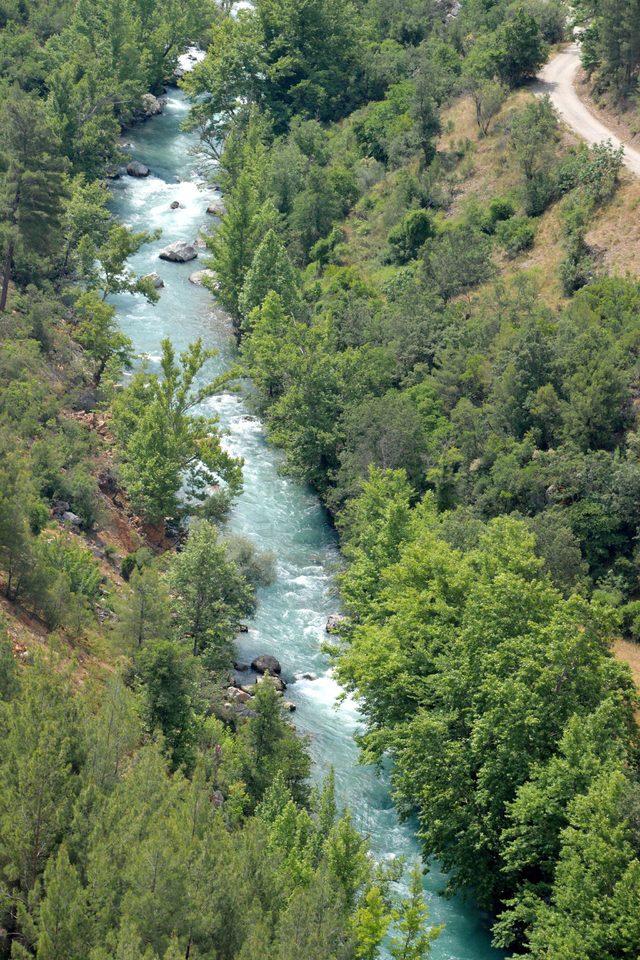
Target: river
(277, 513)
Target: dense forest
(142, 814)
(470, 425)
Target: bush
(595, 170)
(516, 234)
(458, 260)
(631, 619)
(408, 236)
(134, 561)
(577, 268)
(500, 208)
(76, 563)
(323, 250)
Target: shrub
(409, 235)
(595, 170)
(631, 619)
(516, 234)
(458, 260)
(76, 563)
(577, 268)
(500, 208)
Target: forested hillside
(445, 354)
(438, 348)
(145, 811)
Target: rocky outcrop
(198, 278)
(72, 519)
(137, 169)
(265, 662)
(152, 106)
(275, 681)
(179, 252)
(335, 622)
(236, 695)
(217, 209)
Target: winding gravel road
(557, 79)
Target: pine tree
(39, 755)
(31, 186)
(272, 350)
(371, 921)
(271, 270)
(143, 613)
(168, 685)
(233, 245)
(63, 919)
(413, 938)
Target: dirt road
(557, 79)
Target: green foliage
(212, 595)
(143, 612)
(457, 260)
(31, 189)
(98, 333)
(610, 48)
(511, 54)
(412, 939)
(295, 58)
(408, 236)
(105, 264)
(164, 445)
(106, 845)
(534, 134)
(516, 234)
(234, 244)
(576, 269)
(456, 657)
(271, 270)
(167, 675)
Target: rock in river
(137, 169)
(179, 252)
(266, 662)
(155, 279)
(152, 106)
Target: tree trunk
(6, 276)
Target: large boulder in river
(179, 252)
(265, 662)
(137, 169)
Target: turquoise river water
(277, 513)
